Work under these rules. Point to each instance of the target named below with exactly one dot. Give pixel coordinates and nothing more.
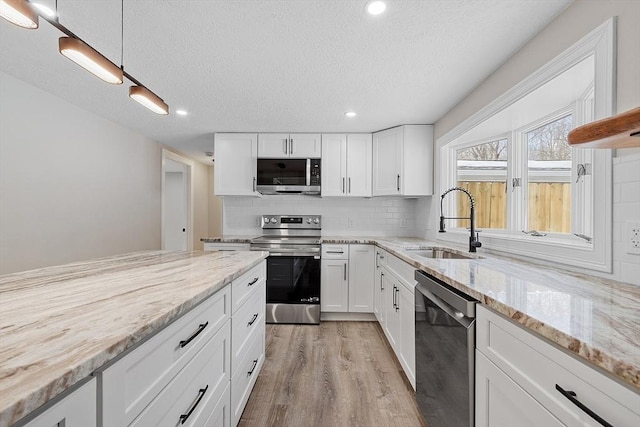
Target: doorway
(177, 212)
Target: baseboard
(346, 317)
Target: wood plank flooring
(333, 374)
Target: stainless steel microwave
(281, 176)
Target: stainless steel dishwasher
(445, 350)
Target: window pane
(549, 170)
(482, 170)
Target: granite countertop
(596, 319)
(59, 324)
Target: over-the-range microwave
(285, 176)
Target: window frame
(571, 251)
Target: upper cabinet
(403, 161)
(236, 157)
(346, 165)
(294, 145)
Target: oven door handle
(315, 255)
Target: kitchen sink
(437, 253)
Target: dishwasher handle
(454, 314)
(454, 298)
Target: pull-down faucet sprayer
(474, 240)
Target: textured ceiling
(276, 65)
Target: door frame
(189, 164)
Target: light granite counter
(59, 324)
(596, 319)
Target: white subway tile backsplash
(383, 216)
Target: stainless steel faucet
(474, 240)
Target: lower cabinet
(522, 379)
(198, 371)
(347, 276)
(76, 409)
(398, 321)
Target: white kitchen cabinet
(502, 402)
(346, 165)
(334, 279)
(361, 278)
(131, 385)
(295, 145)
(347, 278)
(397, 312)
(75, 409)
(403, 161)
(235, 165)
(378, 289)
(220, 246)
(528, 370)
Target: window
(535, 195)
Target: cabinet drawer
(331, 251)
(226, 246)
(249, 318)
(195, 391)
(538, 367)
(244, 378)
(221, 414)
(242, 286)
(132, 382)
(76, 409)
(402, 270)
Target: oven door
(293, 289)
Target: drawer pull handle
(571, 395)
(253, 368)
(252, 321)
(195, 334)
(201, 394)
(335, 252)
(253, 282)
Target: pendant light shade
(90, 59)
(149, 99)
(19, 12)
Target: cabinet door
(392, 321)
(77, 409)
(334, 164)
(235, 167)
(361, 278)
(273, 145)
(387, 157)
(417, 162)
(407, 330)
(359, 164)
(334, 290)
(501, 402)
(305, 145)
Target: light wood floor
(335, 374)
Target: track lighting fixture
(90, 59)
(19, 12)
(148, 99)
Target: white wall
(380, 216)
(73, 186)
(569, 27)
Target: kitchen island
(59, 324)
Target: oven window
(292, 279)
(282, 171)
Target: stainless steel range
(293, 267)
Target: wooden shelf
(619, 131)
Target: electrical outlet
(403, 223)
(632, 237)
(349, 223)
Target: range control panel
(292, 221)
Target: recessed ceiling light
(44, 9)
(376, 7)
(181, 112)
(350, 114)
